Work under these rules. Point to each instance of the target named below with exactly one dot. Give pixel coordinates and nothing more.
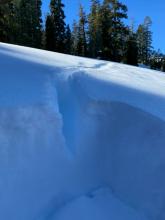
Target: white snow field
(80, 139)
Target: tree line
(101, 34)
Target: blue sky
(137, 10)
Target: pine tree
(113, 29)
(3, 2)
(49, 34)
(68, 40)
(131, 56)
(5, 14)
(74, 37)
(37, 25)
(56, 30)
(30, 23)
(141, 43)
(106, 37)
(13, 22)
(94, 32)
(3, 34)
(163, 64)
(157, 60)
(119, 31)
(148, 39)
(82, 40)
(144, 39)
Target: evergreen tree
(37, 25)
(141, 43)
(3, 2)
(130, 47)
(74, 37)
(157, 60)
(163, 65)
(148, 39)
(131, 56)
(3, 34)
(68, 40)
(30, 23)
(5, 14)
(49, 34)
(55, 32)
(25, 16)
(13, 22)
(144, 39)
(94, 32)
(113, 28)
(82, 40)
(106, 36)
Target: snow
(97, 205)
(79, 138)
(144, 66)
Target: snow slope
(79, 138)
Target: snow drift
(79, 138)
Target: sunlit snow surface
(80, 139)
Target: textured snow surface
(97, 205)
(79, 138)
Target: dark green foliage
(49, 34)
(112, 13)
(131, 56)
(68, 40)
(94, 33)
(104, 34)
(14, 22)
(21, 23)
(82, 41)
(79, 35)
(30, 33)
(74, 37)
(38, 24)
(163, 65)
(6, 21)
(140, 41)
(157, 61)
(106, 31)
(3, 34)
(55, 32)
(144, 39)
(2, 2)
(25, 16)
